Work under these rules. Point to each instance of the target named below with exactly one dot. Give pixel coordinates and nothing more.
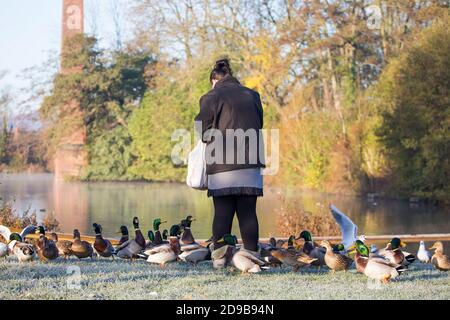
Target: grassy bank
(107, 279)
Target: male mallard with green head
(166, 253)
(335, 261)
(46, 248)
(186, 236)
(158, 238)
(150, 243)
(102, 246)
(439, 259)
(15, 244)
(81, 249)
(131, 248)
(394, 253)
(312, 250)
(375, 268)
(223, 251)
(123, 231)
(64, 246)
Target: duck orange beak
(402, 244)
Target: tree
(107, 88)
(414, 99)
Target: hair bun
(222, 63)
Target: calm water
(77, 204)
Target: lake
(79, 204)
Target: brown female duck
(439, 259)
(46, 248)
(64, 246)
(335, 261)
(81, 249)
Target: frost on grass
(107, 279)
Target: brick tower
(71, 155)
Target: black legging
(245, 207)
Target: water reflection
(111, 204)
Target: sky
(31, 29)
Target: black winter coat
(230, 105)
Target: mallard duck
(422, 254)
(375, 268)
(223, 251)
(165, 236)
(186, 235)
(16, 245)
(156, 224)
(102, 247)
(247, 261)
(64, 246)
(195, 255)
(23, 251)
(81, 249)
(285, 244)
(266, 253)
(335, 261)
(292, 258)
(46, 248)
(394, 254)
(123, 231)
(4, 250)
(150, 243)
(187, 240)
(166, 253)
(311, 249)
(6, 233)
(439, 259)
(131, 248)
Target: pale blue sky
(31, 29)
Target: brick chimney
(71, 154)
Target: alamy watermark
(231, 147)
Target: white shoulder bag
(196, 173)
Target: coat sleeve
(206, 115)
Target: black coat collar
(226, 81)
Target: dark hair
(221, 69)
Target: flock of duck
(178, 244)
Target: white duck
(423, 255)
